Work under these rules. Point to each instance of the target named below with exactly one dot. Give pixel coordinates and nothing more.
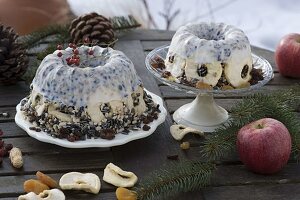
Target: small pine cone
(13, 58)
(96, 28)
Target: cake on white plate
(88, 92)
(214, 54)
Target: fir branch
(221, 142)
(121, 23)
(175, 178)
(60, 31)
(279, 105)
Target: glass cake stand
(203, 113)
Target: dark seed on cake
(244, 71)
(155, 116)
(202, 70)
(166, 74)
(256, 76)
(71, 138)
(32, 128)
(158, 63)
(227, 52)
(146, 120)
(108, 134)
(171, 59)
(38, 130)
(146, 127)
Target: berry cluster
(4, 148)
(74, 59)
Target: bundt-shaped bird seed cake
(88, 92)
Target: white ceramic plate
(118, 140)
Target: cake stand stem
(203, 114)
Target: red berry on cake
(75, 51)
(77, 61)
(91, 52)
(86, 40)
(59, 47)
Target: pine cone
(13, 58)
(96, 28)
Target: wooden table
(231, 181)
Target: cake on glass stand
(203, 113)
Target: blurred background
(265, 22)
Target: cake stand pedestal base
(203, 114)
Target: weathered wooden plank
(19, 87)
(9, 111)
(150, 45)
(281, 80)
(30, 145)
(257, 192)
(11, 99)
(239, 175)
(60, 162)
(10, 129)
(11, 95)
(140, 34)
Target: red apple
(264, 146)
(287, 55)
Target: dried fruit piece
(29, 196)
(227, 87)
(125, 194)
(245, 85)
(185, 145)
(146, 127)
(46, 180)
(78, 181)
(53, 194)
(8, 147)
(208, 73)
(35, 186)
(204, 86)
(178, 131)
(118, 177)
(3, 152)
